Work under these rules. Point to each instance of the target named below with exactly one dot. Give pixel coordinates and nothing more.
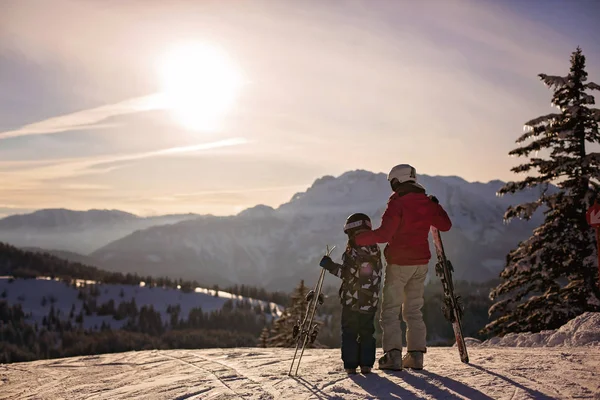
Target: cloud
(224, 196)
(36, 186)
(84, 186)
(96, 165)
(88, 119)
(216, 202)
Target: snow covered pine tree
(551, 277)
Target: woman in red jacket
(405, 228)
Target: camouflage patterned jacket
(361, 272)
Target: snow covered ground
(257, 373)
(583, 330)
(558, 364)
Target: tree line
(236, 324)
(29, 264)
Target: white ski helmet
(403, 173)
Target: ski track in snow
(261, 374)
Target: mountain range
(76, 231)
(274, 247)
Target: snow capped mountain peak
(278, 247)
(453, 180)
(57, 217)
(360, 175)
(259, 211)
(363, 191)
(350, 191)
(495, 182)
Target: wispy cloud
(230, 195)
(94, 165)
(87, 119)
(84, 186)
(70, 183)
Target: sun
(199, 84)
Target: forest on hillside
(30, 264)
(236, 324)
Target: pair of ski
(451, 307)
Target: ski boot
(391, 360)
(413, 360)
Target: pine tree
(552, 276)
(282, 332)
(264, 338)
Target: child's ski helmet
(356, 222)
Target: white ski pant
(403, 290)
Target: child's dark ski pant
(358, 342)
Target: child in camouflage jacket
(360, 271)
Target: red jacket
(405, 228)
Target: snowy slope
(277, 247)
(583, 330)
(251, 373)
(76, 231)
(31, 292)
(568, 372)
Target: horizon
(220, 108)
(306, 188)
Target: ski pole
(303, 329)
(312, 314)
(306, 317)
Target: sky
(212, 107)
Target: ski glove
(434, 199)
(326, 262)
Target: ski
(305, 331)
(452, 309)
